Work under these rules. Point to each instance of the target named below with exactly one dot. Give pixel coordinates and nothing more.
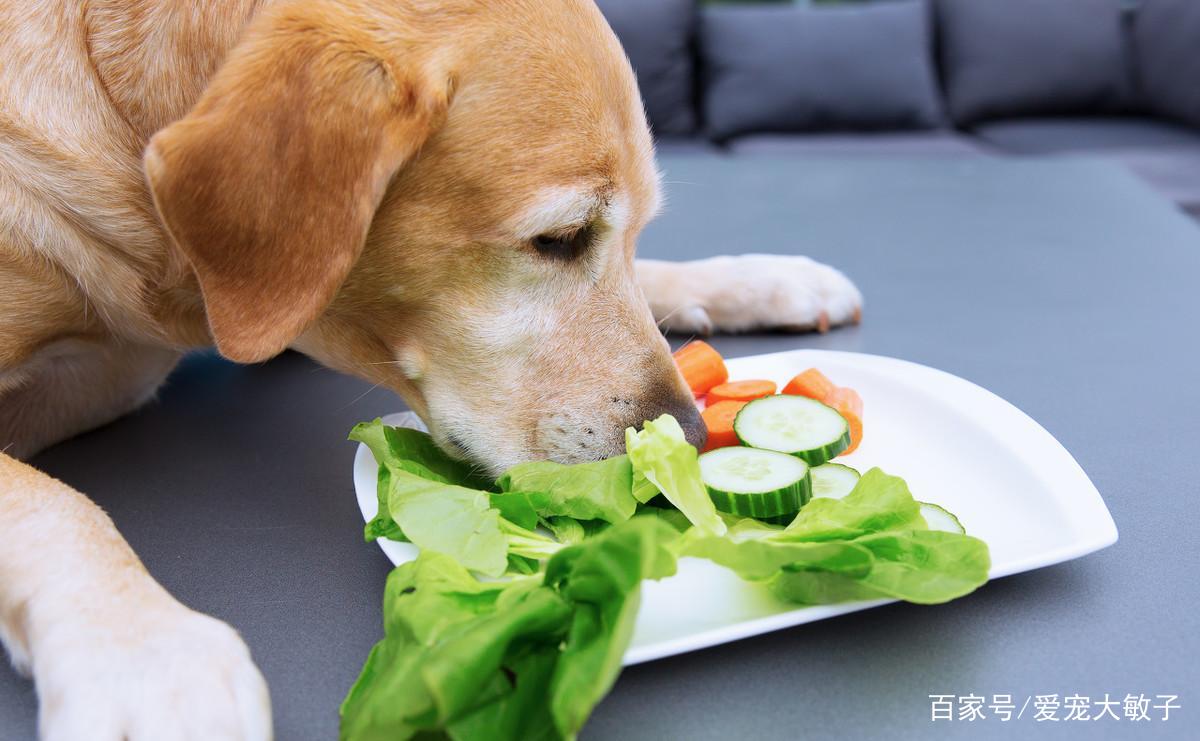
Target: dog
(438, 196)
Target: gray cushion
(1051, 135)
(777, 69)
(657, 36)
(921, 143)
(1167, 38)
(1033, 57)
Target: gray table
(1065, 287)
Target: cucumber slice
(833, 480)
(795, 425)
(755, 483)
(940, 518)
(784, 520)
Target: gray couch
(1115, 79)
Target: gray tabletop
(1065, 287)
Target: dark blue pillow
(783, 69)
(1167, 42)
(1004, 58)
(657, 36)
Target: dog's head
(440, 197)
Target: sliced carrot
(811, 383)
(849, 404)
(718, 418)
(702, 366)
(740, 391)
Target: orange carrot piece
(849, 404)
(718, 418)
(740, 391)
(811, 383)
(702, 366)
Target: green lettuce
(517, 507)
(871, 544)
(600, 490)
(382, 525)
(602, 579)
(528, 543)
(566, 530)
(413, 451)
(448, 640)
(662, 455)
(529, 658)
(757, 559)
(478, 661)
(922, 566)
(449, 519)
(877, 503)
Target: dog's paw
(750, 292)
(161, 674)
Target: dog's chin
(475, 449)
(494, 464)
(493, 460)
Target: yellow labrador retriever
(441, 196)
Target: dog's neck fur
(139, 48)
(140, 65)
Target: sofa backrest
(1167, 58)
(1033, 57)
(788, 68)
(745, 68)
(658, 36)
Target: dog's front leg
(748, 292)
(112, 654)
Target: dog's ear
(270, 183)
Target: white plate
(1008, 480)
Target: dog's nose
(693, 426)
(685, 413)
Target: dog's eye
(551, 242)
(563, 245)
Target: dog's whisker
(360, 397)
(670, 314)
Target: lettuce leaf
(405, 449)
(521, 714)
(871, 544)
(757, 559)
(600, 490)
(566, 530)
(878, 502)
(517, 507)
(478, 661)
(602, 579)
(382, 525)
(414, 451)
(528, 543)
(922, 566)
(643, 490)
(530, 658)
(449, 643)
(664, 457)
(449, 519)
